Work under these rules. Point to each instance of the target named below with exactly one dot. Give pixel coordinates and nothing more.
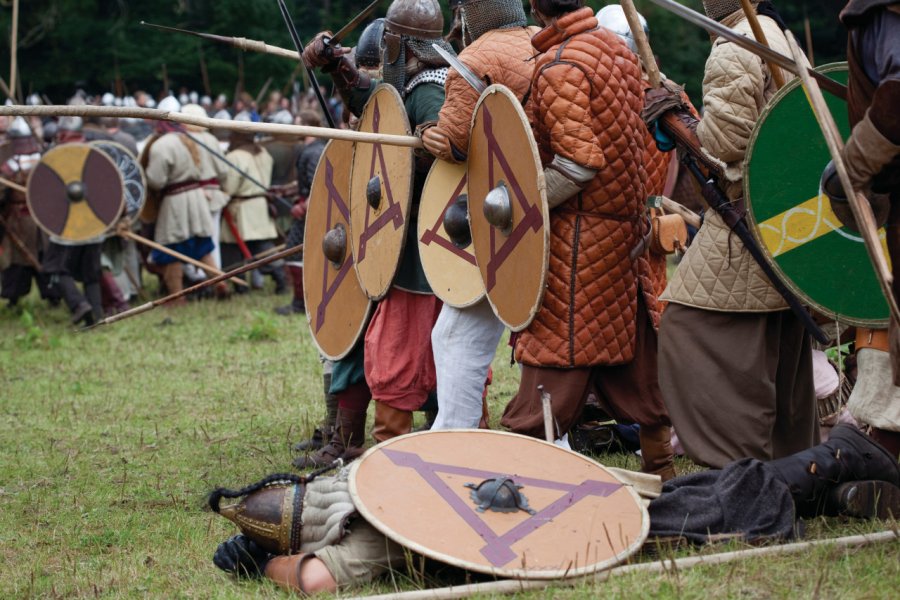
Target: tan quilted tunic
(586, 101)
(717, 272)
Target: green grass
(110, 440)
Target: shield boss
(336, 305)
(76, 193)
(561, 514)
(380, 194)
(508, 208)
(449, 265)
(824, 263)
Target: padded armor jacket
(586, 100)
(717, 272)
(499, 56)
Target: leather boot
(848, 455)
(323, 433)
(346, 443)
(95, 297)
(113, 300)
(657, 456)
(864, 500)
(390, 422)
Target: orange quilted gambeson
(586, 101)
(499, 56)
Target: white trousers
(464, 341)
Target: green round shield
(821, 261)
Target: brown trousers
(737, 385)
(629, 392)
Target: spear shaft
(195, 288)
(155, 114)
(241, 43)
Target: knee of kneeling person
(301, 572)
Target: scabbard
(735, 220)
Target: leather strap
(876, 339)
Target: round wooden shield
(418, 490)
(503, 156)
(380, 194)
(75, 193)
(132, 174)
(824, 263)
(451, 270)
(337, 308)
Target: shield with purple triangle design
(572, 517)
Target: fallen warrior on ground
(749, 499)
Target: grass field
(110, 440)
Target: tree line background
(99, 45)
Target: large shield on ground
(820, 260)
(508, 208)
(380, 194)
(430, 492)
(336, 305)
(448, 263)
(132, 175)
(76, 193)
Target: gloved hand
(298, 211)
(437, 143)
(831, 186)
(318, 54)
(242, 557)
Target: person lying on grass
(749, 500)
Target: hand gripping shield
(380, 194)
(498, 503)
(76, 193)
(337, 308)
(445, 239)
(135, 183)
(824, 263)
(508, 208)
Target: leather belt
(191, 184)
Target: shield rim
(545, 210)
(408, 200)
(100, 236)
(754, 225)
(517, 573)
(421, 227)
(368, 312)
(100, 144)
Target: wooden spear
(203, 284)
(760, 36)
(809, 41)
(859, 206)
(13, 51)
(515, 586)
(130, 235)
(12, 184)
(56, 110)
(237, 42)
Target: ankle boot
(346, 443)
(848, 455)
(657, 456)
(323, 433)
(390, 422)
(864, 500)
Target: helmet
(107, 99)
(415, 18)
(612, 17)
(18, 129)
(369, 47)
(169, 104)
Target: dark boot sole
(866, 499)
